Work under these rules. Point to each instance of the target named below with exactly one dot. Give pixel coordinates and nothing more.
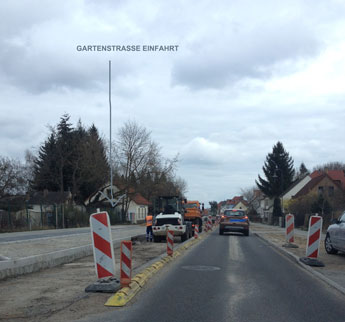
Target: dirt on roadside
(58, 294)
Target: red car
(234, 221)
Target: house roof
(140, 200)
(314, 181)
(335, 175)
(294, 184)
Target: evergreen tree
(71, 159)
(94, 166)
(65, 149)
(45, 166)
(279, 172)
(277, 209)
(303, 169)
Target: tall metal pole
(110, 145)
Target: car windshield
(238, 213)
(167, 221)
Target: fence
(17, 217)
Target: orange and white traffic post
(196, 231)
(103, 250)
(126, 263)
(313, 242)
(170, 242)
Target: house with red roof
(325, 183)
(237, 203)
(138, 206)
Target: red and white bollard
(170, 242)
(289, 231)
(313, 242)
(289, 225)
(196, 231)
(103, 250)
(209, 222)
(314, 236)
(126, 263)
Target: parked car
(234, 220)
(335, 236)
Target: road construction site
(58, 293)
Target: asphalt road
(232, 278)
(52, 233)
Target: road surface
(52, 233)
(232, 278)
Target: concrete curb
(123, 296)
(306, 267)
(26, 265)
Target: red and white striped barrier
(289, 228)
(126, 263)
(196, 231)
(314, 236)
(209, 222)
(103, 251)
(170, 242)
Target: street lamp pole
(110, 145)
(281, 190)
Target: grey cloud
(234, 56)
(38, 72)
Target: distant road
(53, 233)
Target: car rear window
(238, 213)
(167, 221)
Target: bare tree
(330, 166)
(12, 179)
(135, 154)
(140, 167)
(248, 193)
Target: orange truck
(193, 213)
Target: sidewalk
(334, 271)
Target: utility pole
(110, 143)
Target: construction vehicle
(169, 214)
(193, 213)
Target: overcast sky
(245, 75)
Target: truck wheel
(184, 237)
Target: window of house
(331, 191)
(320, 190)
